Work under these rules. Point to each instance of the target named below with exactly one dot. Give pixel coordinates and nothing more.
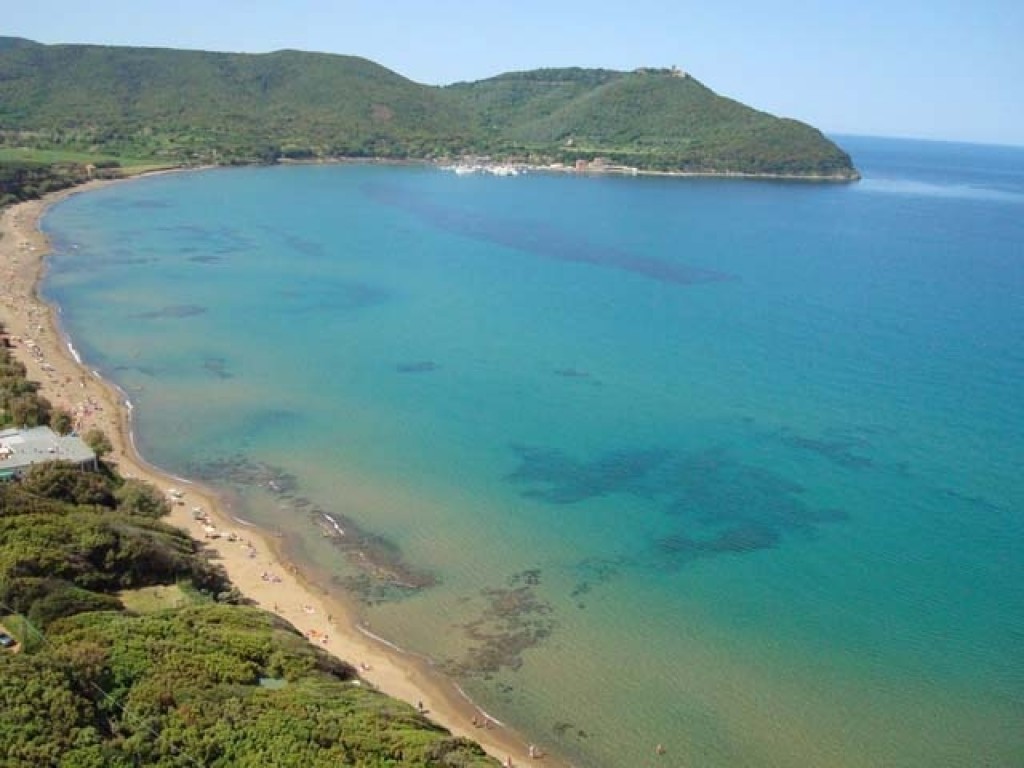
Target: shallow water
(729, 466)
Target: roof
(21, 448)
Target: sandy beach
(250, 557)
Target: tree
(28, 410)
(98, 441)
(60, 422)
(64, 599)
(136, 497)
(65, 482)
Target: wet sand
(252, 558)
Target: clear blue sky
(944, 69)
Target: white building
(21, 448)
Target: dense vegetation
(179, 107)
(28, 180)
(208, 682)
(194, 106)
(20, 402)
(654, 119)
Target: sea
(733, 467)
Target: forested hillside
(188, 107)
(654, 119)
(220, 107)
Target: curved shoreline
(255, 560)
(589, 169)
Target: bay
(728, 466)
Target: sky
(945, 69)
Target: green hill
(181, 106)
(194, 105)
(15, 42)
(654, 119)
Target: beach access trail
(251, 557)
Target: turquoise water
(734, 467)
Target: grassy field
(129, 165)
(154, 599)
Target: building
(21, 448)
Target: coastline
(589, 169)
(254, 559)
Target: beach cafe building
(21, 448)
